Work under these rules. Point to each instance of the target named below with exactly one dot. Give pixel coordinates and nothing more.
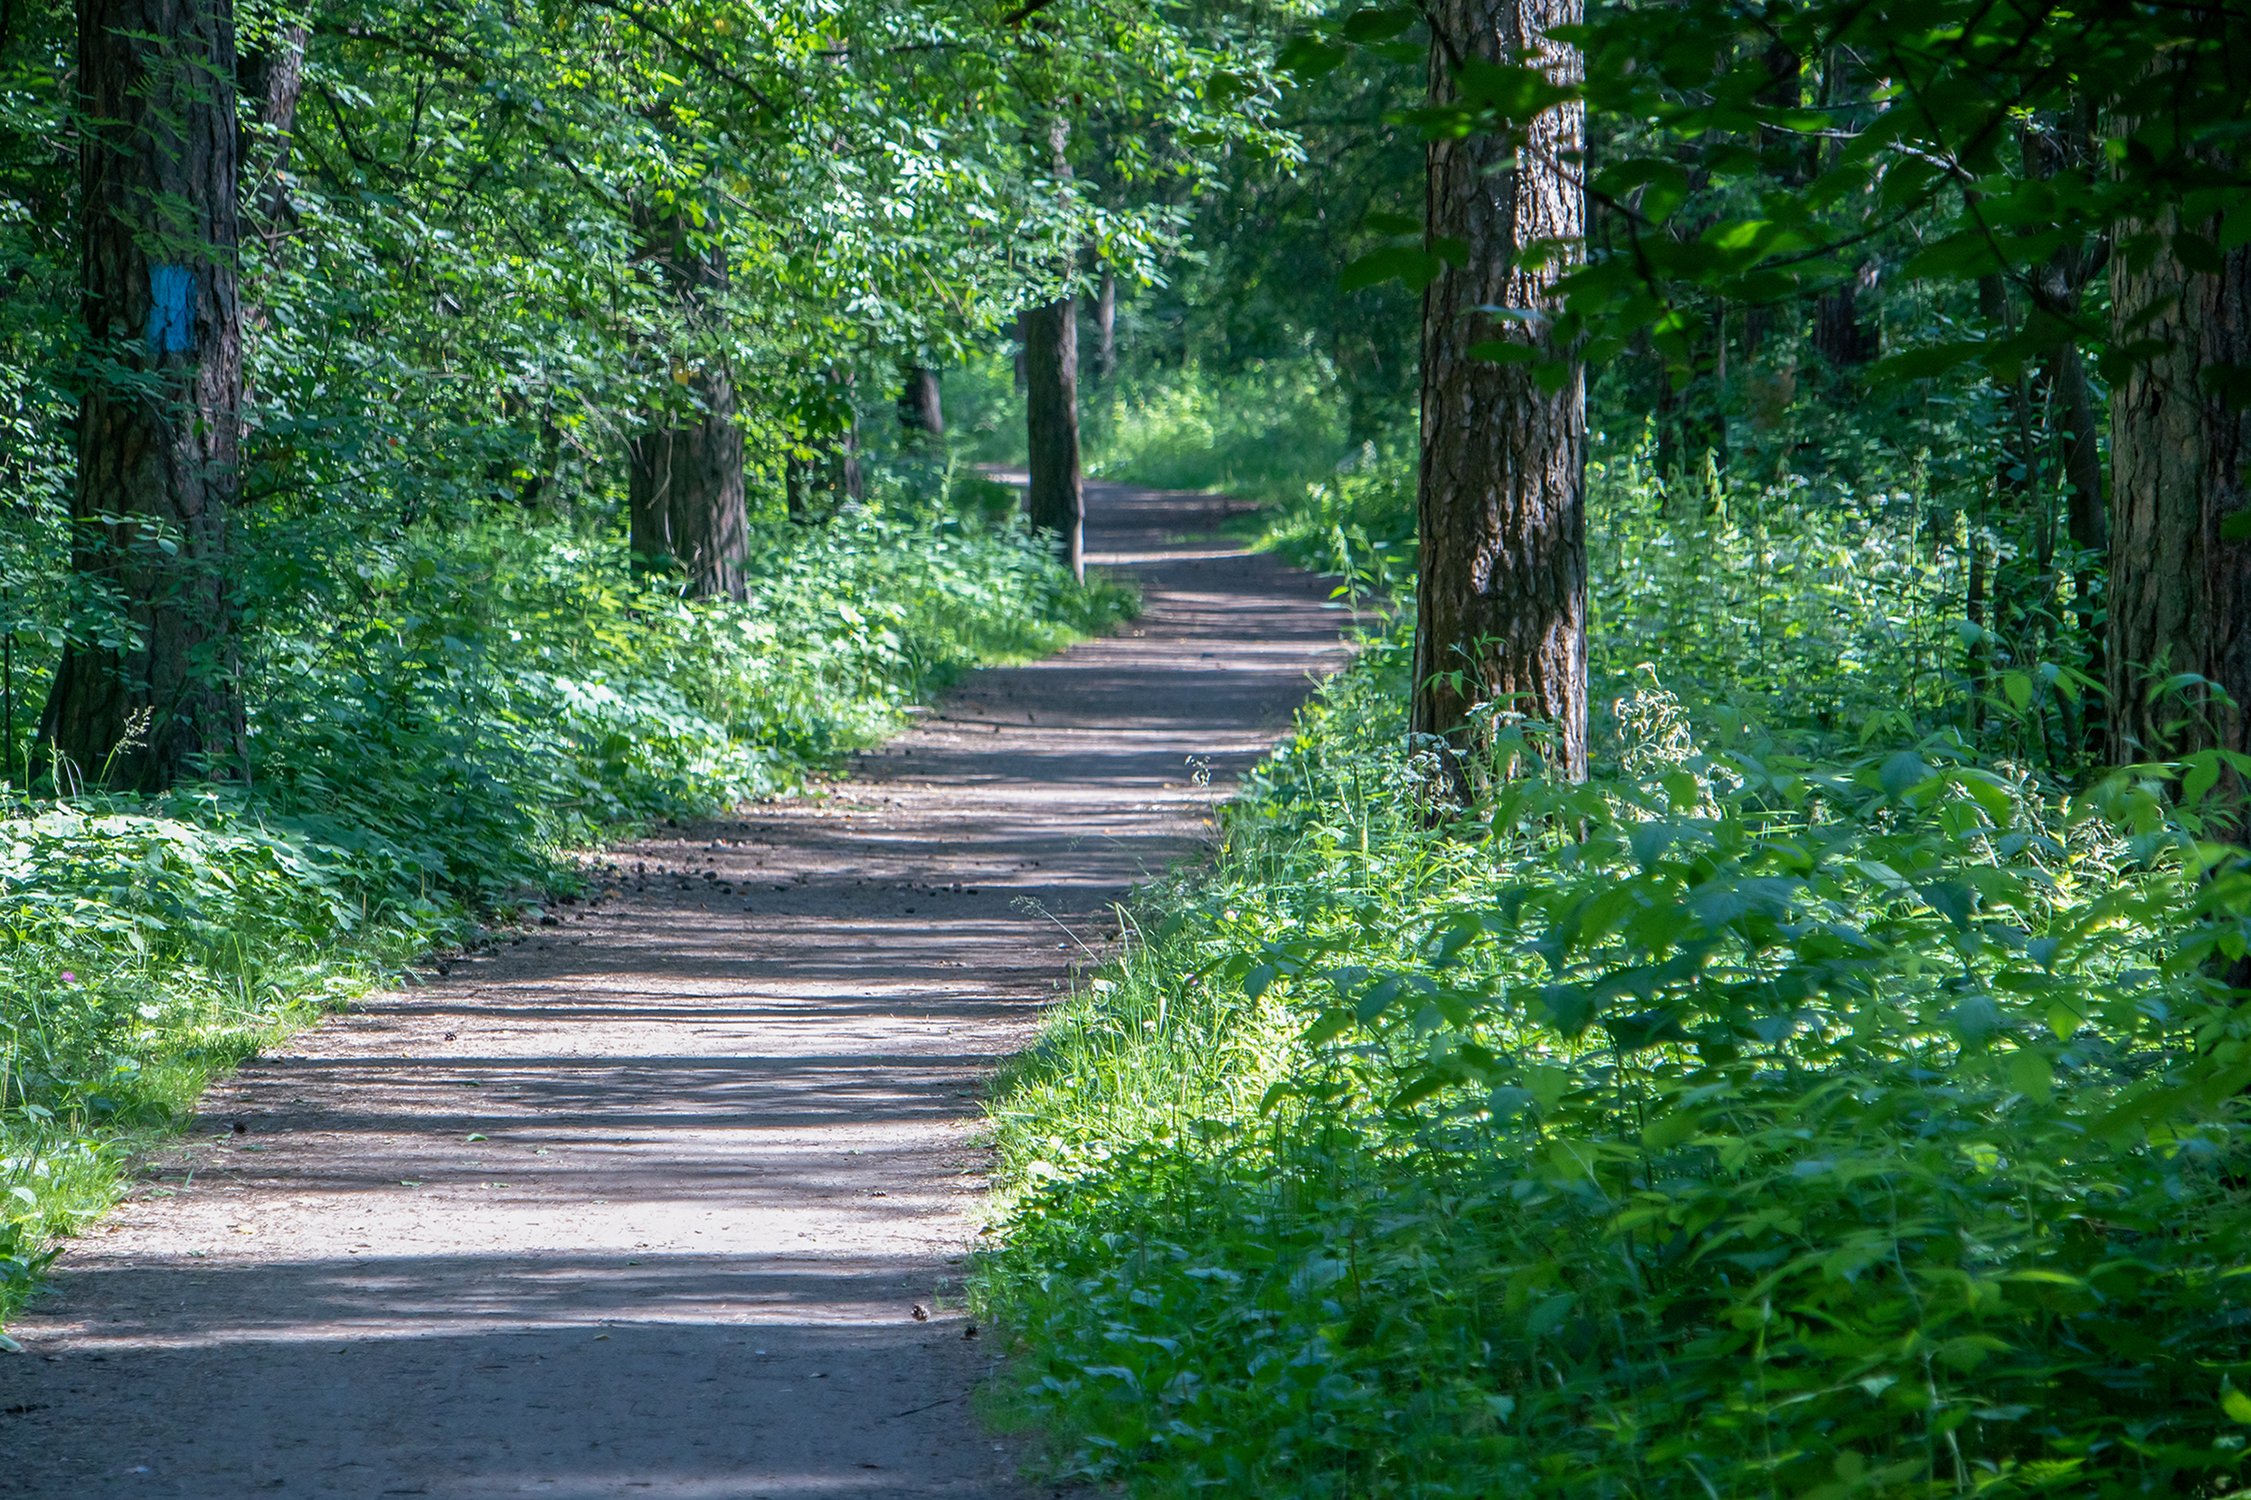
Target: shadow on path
(646, 1204)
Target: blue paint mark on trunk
(171, 310)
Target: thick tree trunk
(159, 420)
(2180, 584)
(1106, 325)
(684, 495)
(1502, 607)
(684, 491)
(922, 411)
(1056, 497)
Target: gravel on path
(672, 1198)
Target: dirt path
(644, 1204)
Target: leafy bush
(1777, 1114)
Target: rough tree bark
(158, 435)
(1841, 335)
(1501, 613)
(1056, 496)
(1055, 499)
(274, 75)
(922, 411)
(2180, 584)
(684, 489)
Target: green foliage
(1777, 1114)
(1263, 431)
(473, 705)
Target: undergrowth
(434, 730)
(1821, 1101)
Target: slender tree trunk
(2180, 582)
(2014, 473)
(797, 489)
(2087, 517)
(1023, 335)
(851, 475)
(1056, 497)
(159, 421)
(1787, 159)
(1106, 325)
(922, 412)
(684, 491)
(1501, 611)
(274, 75)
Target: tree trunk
(1106, 325)
(684, 491)
(797, 489)
(274, 75)
(1056, 495)
(922, 412)
(684, 495)
(2087, 518)
(1056, 498)
(851, 477)
(2180, 583)
(1502, 607)
(1023, 335)
(159, 420)
(1840, 334)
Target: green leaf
(1411, 264)
(1376, 23)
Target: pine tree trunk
(684, 491)
(2180, 586)
(922, 412)
(158, 431)
(1056, 497)
(1502, 607)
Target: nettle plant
(1847, 1127)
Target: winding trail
(644, 1204)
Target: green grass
(1263, 433)
(1820, 1102)
(428, 751)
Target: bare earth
(645, 1203)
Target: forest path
(642, 1205)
